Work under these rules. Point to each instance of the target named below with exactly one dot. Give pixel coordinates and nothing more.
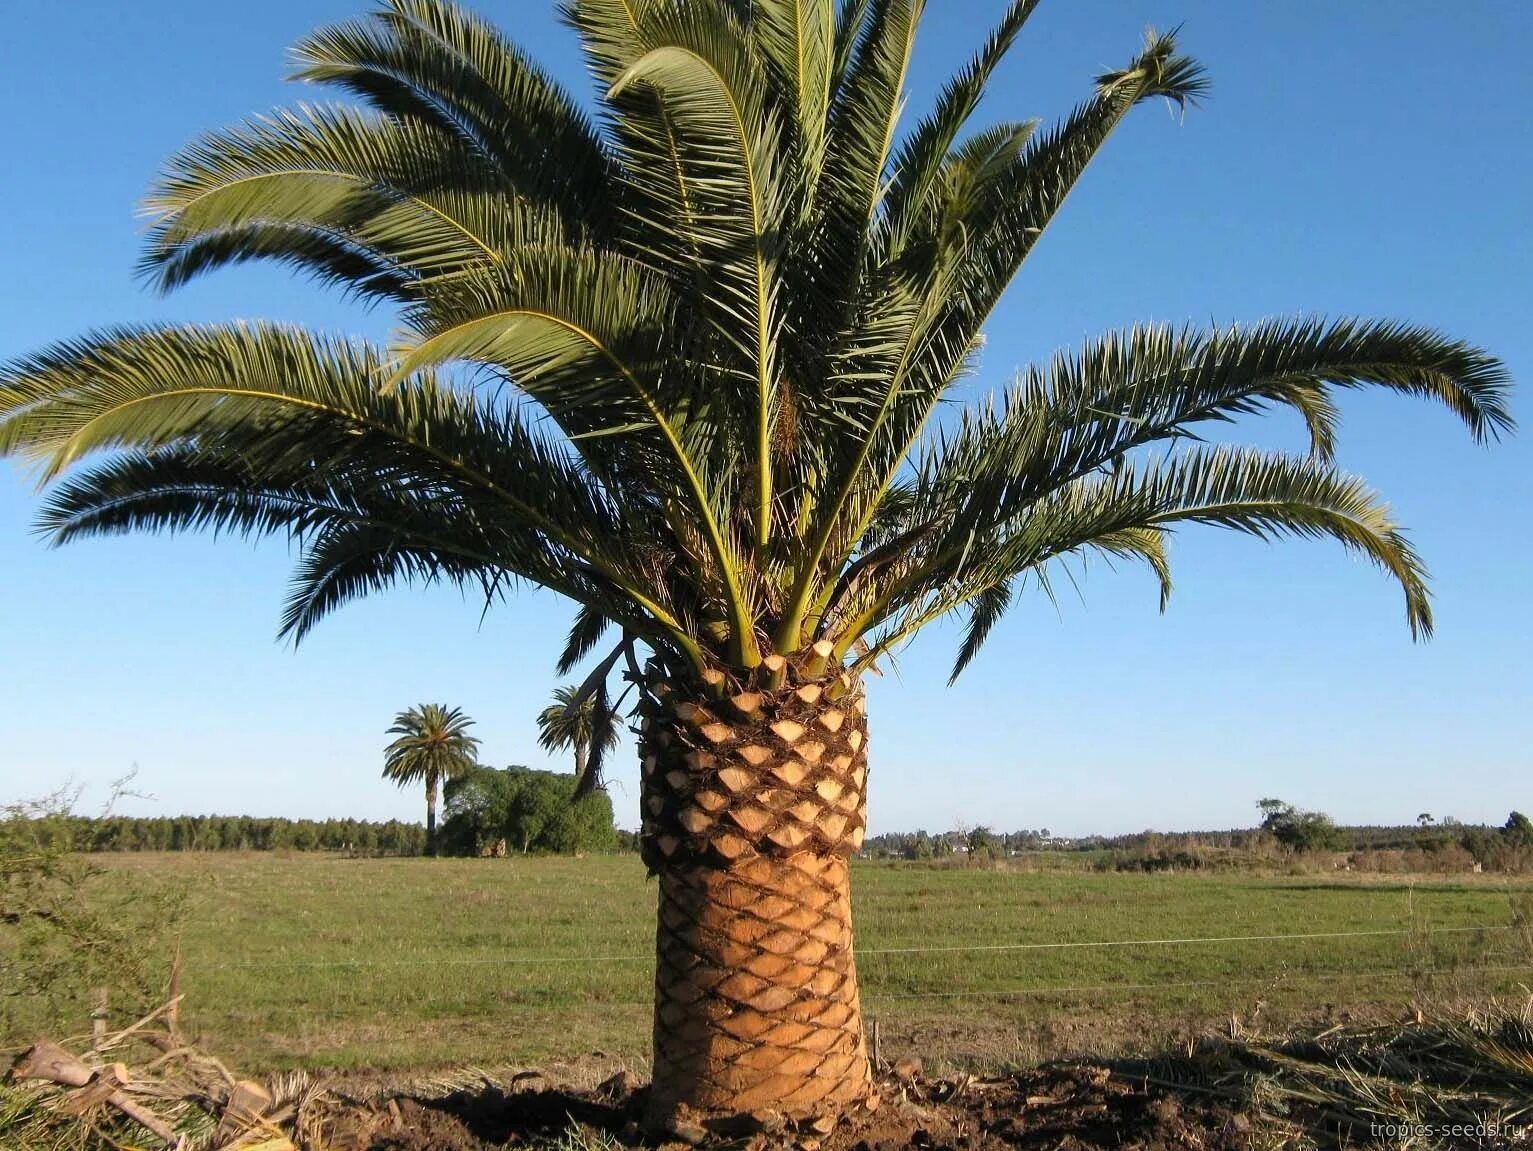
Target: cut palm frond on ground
(1439, 1072)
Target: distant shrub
(1518, 830)
(491, 811)
(1300, 830)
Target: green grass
(396, 963)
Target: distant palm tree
(583, 722)
(433, 747)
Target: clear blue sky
(1353, 158)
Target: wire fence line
(1171, 985)
(872, 1000)
(1061, 945)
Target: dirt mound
(1064, 1107)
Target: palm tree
(584, 723)
(679, 363)
(433, 746)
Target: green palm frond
(228, 426)
(1124, 392)
(433, 63)
(903, 361)
(985, 611)
(1125, 513)
(864, 120)
(924, 156)
(585, 633)
(409, 196)
(717, 99)
(797, 38)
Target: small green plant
(69, 926)
(578, 1138)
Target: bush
(69, 926)
(517, 809)
(1299, 830)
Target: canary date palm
(682, 363)
(432, 745)
(583, 722)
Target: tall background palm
(433, 746)
(584, 723)
(680, 363)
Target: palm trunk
(430, 815)
(752, 805)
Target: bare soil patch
(1062, 1107)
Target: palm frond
(1126, 513)
(434, 63)
(331, 258)
(985, 611)
(797, 39)
(1123, 392)
(584, 334)
(585, 633)
(926, 152)
(903, 370)
(716, 96)
(409, 196)
(221, 424)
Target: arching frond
(430, 62)
(716, 95)
(584, 334)
(910, 362)
(1128, 390)
(225, 424)
(797, 38)
(864, 120)
(585, 633)
(407, 195)
(331, 257)
(985, 611)
(1126, 512)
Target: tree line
(1283, 827)
(235, 833)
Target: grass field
(393, 963)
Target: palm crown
(737, 296)
(433, 744)
(583, 722)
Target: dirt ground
(1062, 1107)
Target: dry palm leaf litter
(1452, 1083)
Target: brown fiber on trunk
(753, 800)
